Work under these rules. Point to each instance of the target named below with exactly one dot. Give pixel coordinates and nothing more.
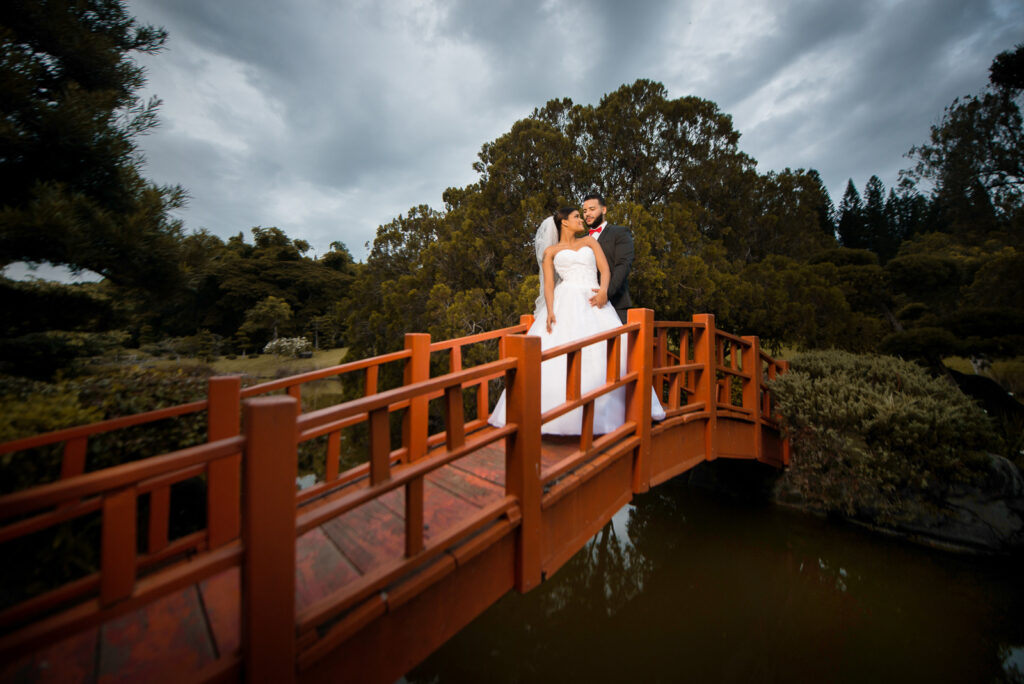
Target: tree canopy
(920, 269)
(671, 170)
(71, 189)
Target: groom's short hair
(598, 197)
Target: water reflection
(686, 584)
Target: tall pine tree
(71, 191)
(851, 219)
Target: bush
(288, 346)
(70, 550)
(872, 435)
(43, 355)
(30, 408)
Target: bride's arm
(600, 297)
(549, 284)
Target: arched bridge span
(365, 573)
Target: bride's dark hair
(561, 215)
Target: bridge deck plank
(181, 633)
(320, 568)
(169, 636)
(223, 602)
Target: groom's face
(593, 213)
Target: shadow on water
(687, 584)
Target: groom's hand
(599, 299)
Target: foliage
(974, 158)
(956, 298)
(288, 346)
(269, 313)
(70, 188)
(39, 305)
(878, 223)
(32, 408)
(70, 550)
(671, 170)
(873, 435)
(44, 355)
(225, 281)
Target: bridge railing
(332, 619)
(703, 373)
(695, 369)
(125, 579)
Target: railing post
(638, 397)
(522, 453)
(295, 392)
(417, 369)
(118, 546)
(224, 485)
(705, 353)
(524, 319)
(73, 462)
(268, 566)
(752, 389)
(661, 358)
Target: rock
(986, 517)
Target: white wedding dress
(576, 318)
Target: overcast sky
(328, 118)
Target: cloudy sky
(328, 118)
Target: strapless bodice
(577, 267)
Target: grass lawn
(1007, 372)
(265, 366)
(269, 366)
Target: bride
(568, 281)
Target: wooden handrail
(477, 338)
(66, 434)
(256, 468)
(310, 376)
(124, 475)
(383, 400)
(578, 345)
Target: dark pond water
(690, 585)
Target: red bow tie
(595, 231)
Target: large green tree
(973, 162)
(952, 283)
(670, 169)
(852, 231)
(222, 281)
(71, 191)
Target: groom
(617, 245)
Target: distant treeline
(929, 268)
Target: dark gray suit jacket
(617, 244)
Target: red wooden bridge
(361, 576)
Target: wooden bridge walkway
(363, 575)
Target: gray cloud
(328, 119)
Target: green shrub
(30, 408)
(69, 550)
(43, 355)
(870, 434)
(124, 391)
